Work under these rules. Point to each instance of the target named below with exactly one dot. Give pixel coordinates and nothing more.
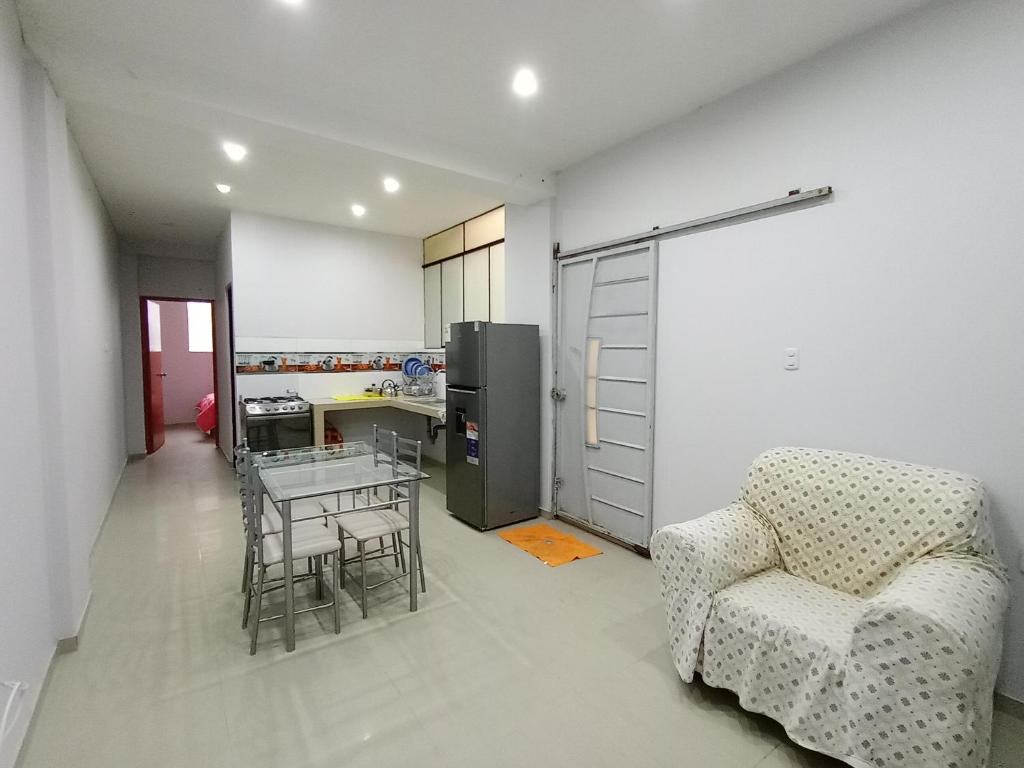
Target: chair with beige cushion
(386, 530)
(858, 601)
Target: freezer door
(465, 355)
(466, 455)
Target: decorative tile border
(330, 362)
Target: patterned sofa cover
(857, 601)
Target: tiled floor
(507, 663)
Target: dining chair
(313, 543)
(366, 526)
(312, 540)
(272, 522)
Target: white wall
(528, 300)
(298, 280)
(226, 411)
(158, 269)
(305, 287)
(26, 634)
(61, 340)
(903, 295)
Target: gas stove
(270, 406)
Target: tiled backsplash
(330, 362)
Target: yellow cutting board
(364, 396)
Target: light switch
(791, 359)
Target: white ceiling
(333, 95)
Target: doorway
(604, 382)
(179, 377)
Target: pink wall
(189, 374)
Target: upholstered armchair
(857, 601)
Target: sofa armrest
(698, 558)
(925, 653)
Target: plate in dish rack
(410, 365)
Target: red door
(152, 375)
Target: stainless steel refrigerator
(493, 423)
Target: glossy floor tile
(507, 662)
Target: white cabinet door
(497, 256)
(432, 336)
(451, 292)
(476, 298)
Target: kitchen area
(372, 337)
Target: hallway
(507, 662)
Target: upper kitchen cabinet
(433, 330)
(496, 253)
(476, 269)
(444, 245)
(486, 229)
(464, 275)
(452, 295)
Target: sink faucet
(389, 388)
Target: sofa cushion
(780, 642)
(850, 522)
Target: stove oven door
(278, 431)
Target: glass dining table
(285, 476)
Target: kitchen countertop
(430, 406)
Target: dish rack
(417, 386)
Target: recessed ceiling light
(293, 2)
(358, 209)
(223, 188)
(391, 184)
(235, 151)
(525, 82)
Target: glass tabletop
(301, 473)
(310, 454)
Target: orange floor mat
(548, 544)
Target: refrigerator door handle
(463, 390)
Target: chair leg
(397, 550)
(319, 564)
(401, 549)
(341, 549)
(247, 568)
(362, 573)
(419, 559)
(259, 612)
(247, 607)
(336, 590)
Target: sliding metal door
(604, 390)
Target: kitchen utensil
(409, 366)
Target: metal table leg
(414, 541)
(289, 582)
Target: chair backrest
(388, 447)
(851, 522)
(409, 451)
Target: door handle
(161, 374)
